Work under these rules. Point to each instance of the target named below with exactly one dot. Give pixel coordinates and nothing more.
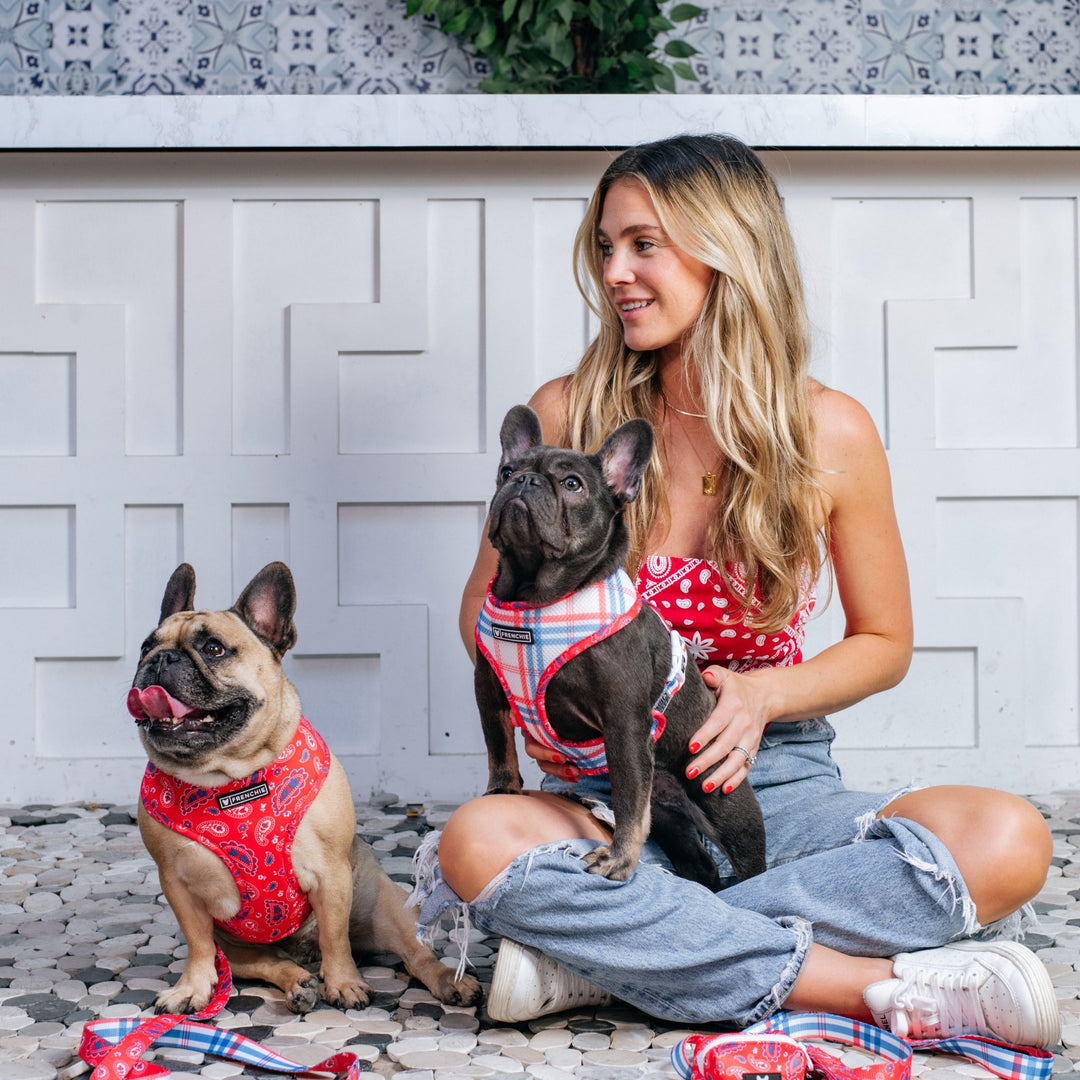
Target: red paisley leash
(772, 1048)
(114, 1048)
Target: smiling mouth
(173, 726)
(634, 305)
(155, 707)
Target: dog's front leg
(199, 978)
(331, 900)
(504, 777)
(323, 859)
(629, 752)
(199, 889)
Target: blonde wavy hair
(746, 357)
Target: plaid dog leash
(114, 1048)
(772, 1048)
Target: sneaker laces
(566, 988)
(941, 1003)
(577, 990)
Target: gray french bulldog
(556, 522)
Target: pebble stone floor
(85, 933)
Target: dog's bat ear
(179, 593)
(267, 606)
(624, 457)
(520, 432)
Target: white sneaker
(994, 988)
(526, 984)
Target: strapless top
(691, 596)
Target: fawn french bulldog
(250, 817)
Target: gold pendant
(708, 484)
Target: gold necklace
(675, 408)
(708, 477)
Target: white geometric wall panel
(944, 291)
(233, 358)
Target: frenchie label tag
(244, 795)
(761, 1076)
(519, 635)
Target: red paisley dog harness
(250, 825)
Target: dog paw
(602, 860)
(303, 995)
(464, 991)
(183, 998)
(353, 994)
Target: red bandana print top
(250, 824)
(690, 596)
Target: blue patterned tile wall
(370, 47)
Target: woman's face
(657, 289)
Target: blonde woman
(883, 907)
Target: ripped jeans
(837, 875)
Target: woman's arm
(475, 592)
(870, 578)
(549, 403)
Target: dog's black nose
(528, 478)
(165, 658)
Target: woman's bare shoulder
(854, 470)
(549, 403)
(843, 428)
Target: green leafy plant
(568, 46)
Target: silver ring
(750, 759)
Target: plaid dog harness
(526, 645)
(250, 824)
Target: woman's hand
(550, 761)
(739, 719)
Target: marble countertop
(533, 121)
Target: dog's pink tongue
(156, 703)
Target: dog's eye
(506, 472)
(213, 648)
(571, 483)
(146, 647)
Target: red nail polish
(691, 773)
(728, 790)
(558, 759)
(695, 747)
(707, 786)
